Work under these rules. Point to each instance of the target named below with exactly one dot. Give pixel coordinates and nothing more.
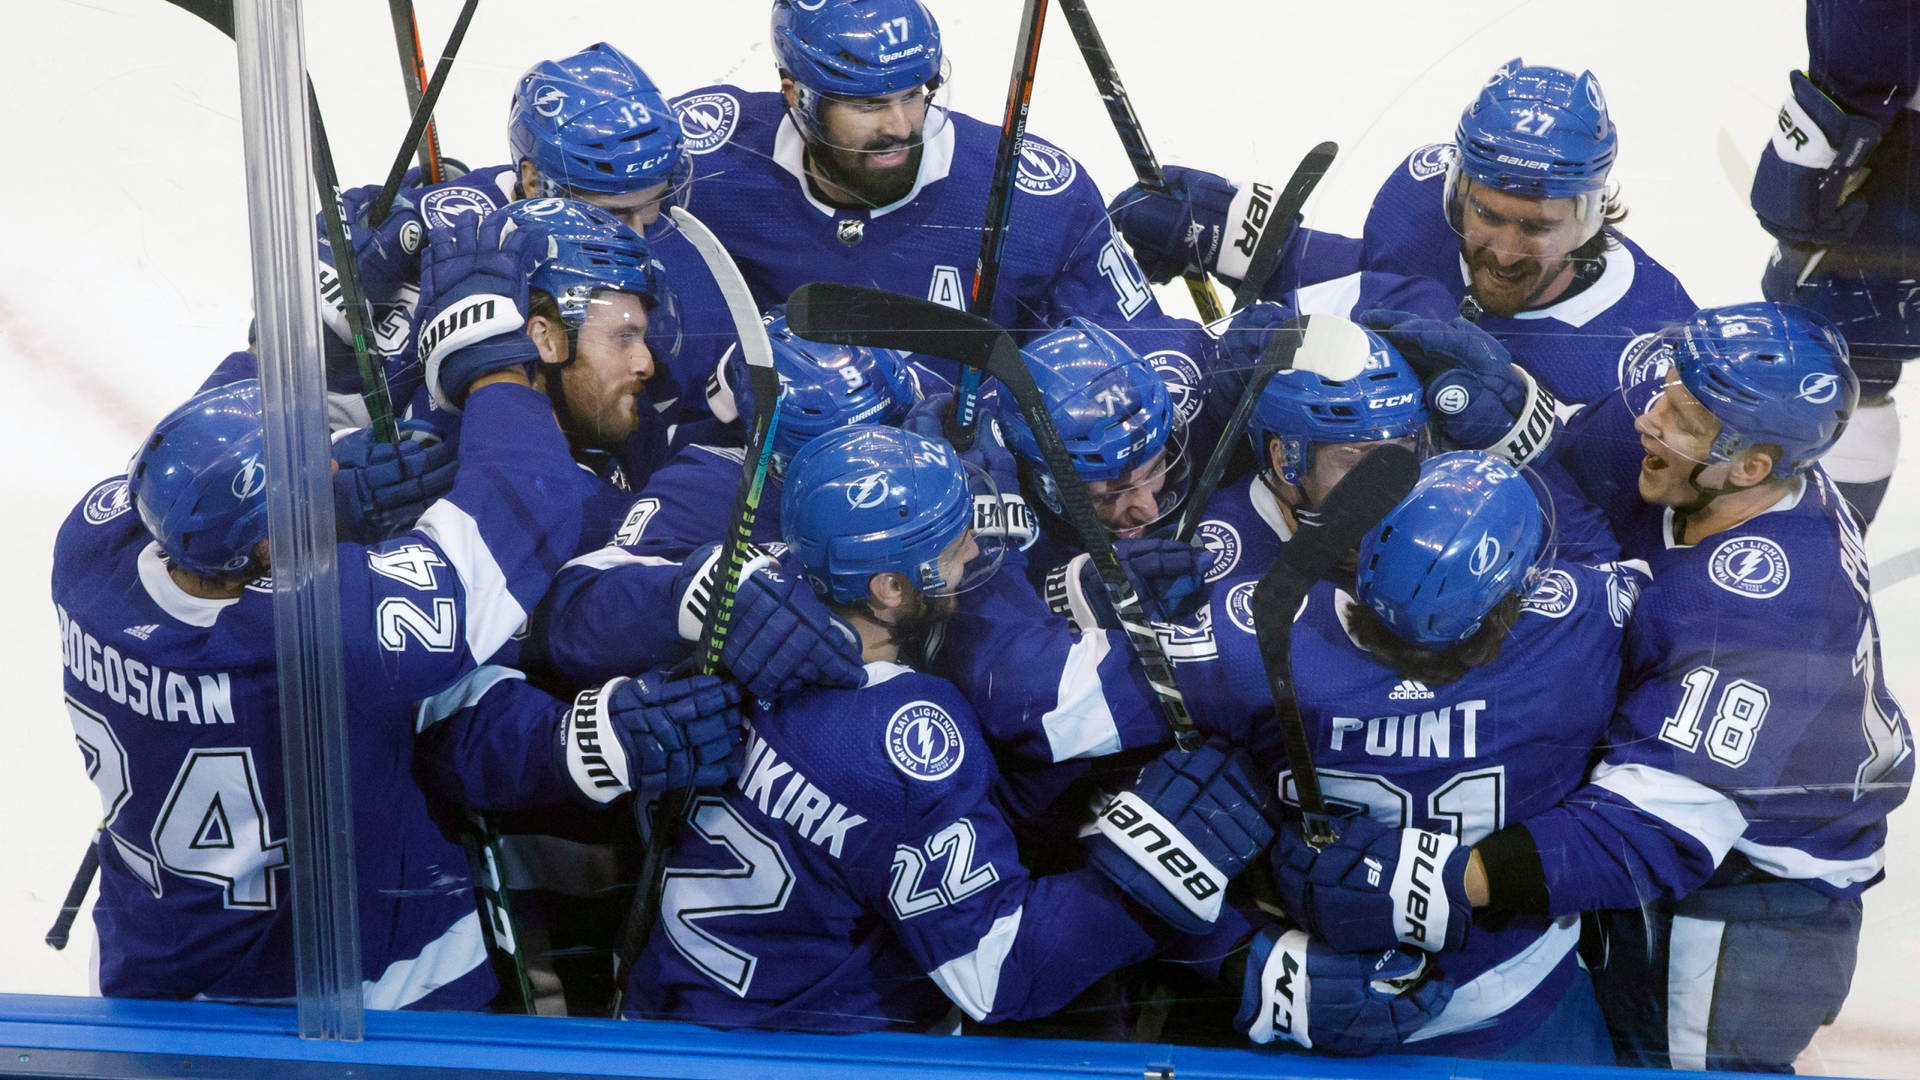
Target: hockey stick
(413, 76)
(1355, 505)
(1265, 255)
(852, 315)
(346, 275)
(993, 237)
(1277, 356)
(62, 930)
(1126, 124)
(715, 622)
(422, 116)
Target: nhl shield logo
(1750, 566)
(850, 230)
(106, 502)
(707, 120)
(1043, 169)
(924, 742)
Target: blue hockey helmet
(1771, 374)
(594, 122)
(870, 499)
(825, 387)
(1541, 132)
(1470, 533)
(1346, 385)
(1116, 416)
(588, 251)
(858, 50)
(199, 482)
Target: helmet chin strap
(1706, 494)
(557, 386)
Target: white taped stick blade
(1333, 348)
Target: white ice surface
(124, 269)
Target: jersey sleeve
(1865, 54)
(450, 593)
(1000, 944)
(491, 742)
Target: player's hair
(1434, 667)
(1613, 211)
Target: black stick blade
(840, 314)
(1354, 506)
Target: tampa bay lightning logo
(707, 120)
(443, 207)
(250, 479)
(1043, 169)
(924, 742)
(1594, 97)
(1819, 387)
(1486, 556)
(1431, 160)
(1553, 595)
(1240, 605)
(868, 491)
(106, 502)
(1224, 541)
(548, 100)
(1750, 566)
(809, 5)
(1182, 377)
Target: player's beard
(1506, 291)
(856, 173)
(915, 633)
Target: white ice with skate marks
(125, 274)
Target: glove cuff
(1247, 218)
(1277, 993)
(1006, 516)
(595, 759)
(1532, 430)
(1423, 902)
(470, 321)
(1152, 843)
(699, 592)
(1066, 594)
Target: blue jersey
(612, 610)
(1755, 728)
(1571, 345)
(856, 877)
(1062, 257)
(174, 704)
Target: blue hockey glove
(781, 638)
(380, 490)
(1376, 887)
(388, 254)
(1193, 822)
(1179, 229)
(1480, 399)
(473, 300)
(1802, 191)
(1350, 1003)
(1167, 575)
(1009, 517)
(652, 734)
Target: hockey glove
(1376, 887)
(652, 734)
(781, 637)
(1304, 992)
(473, 299)
(1480, 399)
(388, 254)
(1193, 822)
(1808, 173)
(1169, 577)
(380, 489)
(1007, 517)
(1182, 228)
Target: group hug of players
(1613, 656)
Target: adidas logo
(1409, 690)
(142, 632)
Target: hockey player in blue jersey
(857, 876)
(1740, 805)
(1513, 220)
(606, 612)
(1839, 187)
(858, 171)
